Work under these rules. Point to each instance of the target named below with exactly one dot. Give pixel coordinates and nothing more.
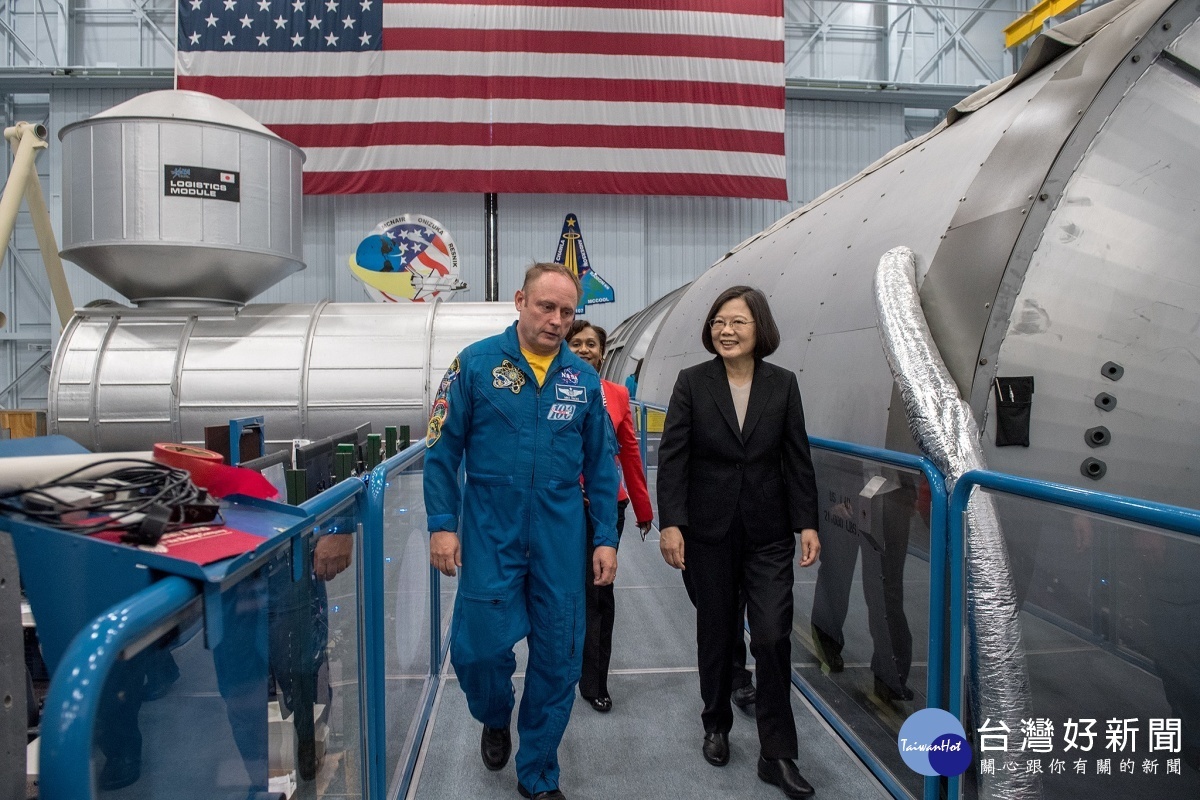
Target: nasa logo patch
(570, 394)
(560, 412)
(570, 375)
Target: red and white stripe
(612, 96)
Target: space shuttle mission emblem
(408, 258)
(201, 182)
(508, 376)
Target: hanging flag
(573, 254)
(675, 97)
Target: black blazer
(708, 470)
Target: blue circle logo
(932, 742)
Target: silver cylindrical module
(125, 378)
(176, 196)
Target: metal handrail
(75, 691)
(1141, 512)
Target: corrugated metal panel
(613, 233)
(67, 106)
(830, 141)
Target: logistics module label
(202, 182)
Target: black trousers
(601, 614)
(741, 675)
(720, 572)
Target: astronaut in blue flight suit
(524, 444)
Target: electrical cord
(142, 501)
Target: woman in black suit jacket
(735, 484)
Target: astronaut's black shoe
(495, 746)
(550, 794)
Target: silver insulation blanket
(944, 428)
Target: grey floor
(648, 746)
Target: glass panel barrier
(167, 722)
(861, 628)
(648, 421)
(1109, 617)
(408, 677)
(314, 662)
(170, 692)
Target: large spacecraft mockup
(1055, 217)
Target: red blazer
(616, 398)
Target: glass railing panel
(650, 434)
(655, 416)
(313, 639)
(406, 587)
(860, 632)
(179, 717)
(171, 719)
(1109, 620)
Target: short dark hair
(540, 268)
(766, 332)
(580, 324)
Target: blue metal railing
(69, 719)
(1140, 512)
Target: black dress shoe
(828, 649)
(744, 697)
(716, 749)
(890, 695)
(550, 794)
(495, 746)
(603, 703)
(782, 772)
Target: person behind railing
(589, 341)
(525, 417)
(735, 483)
(884, 551)
(298, 625)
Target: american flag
(675, 97)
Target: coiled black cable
(142, 501)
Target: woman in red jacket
(588, 341)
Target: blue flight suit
(522, 533)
